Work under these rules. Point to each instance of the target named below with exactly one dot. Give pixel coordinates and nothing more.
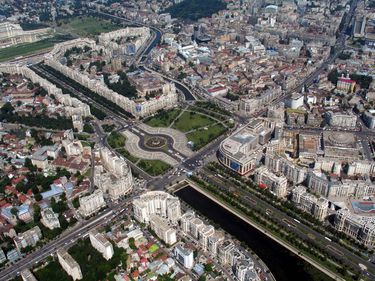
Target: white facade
(184, 256)
(163, 230)
(100, 243)
(157, 203)
(318, 207)
(69, 264)
(49, 218)
(277, 184)
(91, 203)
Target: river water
(284, 265)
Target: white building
(158, 203)
(28, 238)
(295, 101)
(318, 207)
(338, 119)
(276, 183)
(49, 218)
(163, 230)
(185, 220)
(184, 256)
(26, 275)
(195, 225)
(205, 232)
(69, 264)
(92, 203)
(99, 242)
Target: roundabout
(155, 142)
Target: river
(284, 265)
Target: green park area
(30, 48)
(191, 120)
(153, 167)
(204, 136)
(199, 127)
(86, 26)
(163, 118)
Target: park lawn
(153, 167)
(203, 137)
(127, 155)
(190, 120)
(30, 48)
(52, 271)
(87, 26)
(116, 140)
(163, 119)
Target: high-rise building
(277, 184)
(157, 203)
(92, 203)
(69, 264)
(99, 242)
(163, 230)
(184, 256)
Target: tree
(36, 209)
(132, 244)
(14, 211)
(38, 197)
(75, 203)
(7, 108)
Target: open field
(86, 26)
(153, 167)
(203, 137)
(30, 48)
(163, 119)
(190, 120)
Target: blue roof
(55, 191)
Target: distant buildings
(28, 238)
(92, 203)
(49, 218)
(99, 242)
(157, 203)
(71, 267)
(345, 84)
(347, 120)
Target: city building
(358, 227)
(242, 150)
(157, 203)
(69, 264)
(277, 184)
(92, 203)
(13, 255)
(162, 229)
(184, 256)
(318, 207)
(338, 119)
(204, 233)
(49, 218)
(185, 220)
(195, 225)
(99, 242)
(26, 275)
(28, 238)
(295, 101)
(369, 118)
(345, 84)
(3, 258)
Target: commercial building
(49, 218)
(277, 184)
(26, 275)
(158, 203)
(309, 203)
(69, 264)
(241, 151)
(92, 203)
(184, 256)
(28, 238)
(99, 242)
(295, 101)
(163, 230)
